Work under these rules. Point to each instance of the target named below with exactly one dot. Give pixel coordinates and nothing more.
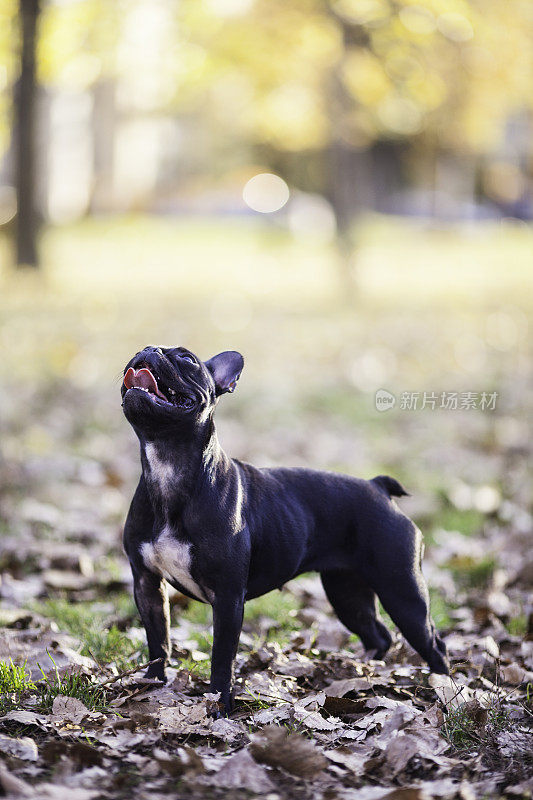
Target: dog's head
(170, 387)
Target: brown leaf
(184, 719)
(315, 720)
(297, 665)
(354, 761)
(36, 647)
(399, 752)
(13, 786)
(515, 675)
(268, 715)
(451, 694)
(340, 688)
(26, 718)
(185, 761)
(476, 713)
(80, 753)
(297, 755)
(69, 709)
(343, 705)
(24, 748)
(241, 772)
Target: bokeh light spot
(8, 204)
(400, 115)
(455, 27)
(418, 19)
(266, 193)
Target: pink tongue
(141, 378)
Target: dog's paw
(216, 711)
(153, 676)
(215, 706)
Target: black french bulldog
(222, 531)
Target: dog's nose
(150, 358)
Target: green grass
(467, 522)
(471, 572)
(72, 684)
(87, 622)
(201, 669)
(16, 684)
(395, 257)
(198, 613)
(517, 626)
(470, 726)
(281, 606)
(440, 609)
(15, 681)
(106, 644)
(14, 678)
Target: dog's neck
(175, 468)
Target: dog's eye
(188, 358)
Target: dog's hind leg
(402, 589)
(355, 604)
(407, 603)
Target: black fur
(390, 485)
(223, 531)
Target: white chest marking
(161, 472)
(172, 559)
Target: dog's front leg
(150, 594)
(227, 623)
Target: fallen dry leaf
(358, 718)
(299, 756)
(400, 751)
(69, 709)
(185, 761)
(451, 694)
(241, 772)
(26, 718)
(515, 674)
(24, 748)
(340, 688)
(13, 786)
(315, 720)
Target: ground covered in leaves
(315, 717)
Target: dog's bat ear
(226, 369)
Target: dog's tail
(389, 485)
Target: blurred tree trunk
(347, 190)
(25, 146)
(103, 139)
(340, 193)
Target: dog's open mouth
(144, 380)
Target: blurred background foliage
(400, 107)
